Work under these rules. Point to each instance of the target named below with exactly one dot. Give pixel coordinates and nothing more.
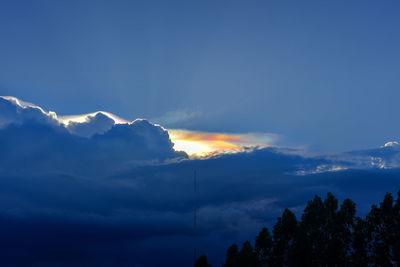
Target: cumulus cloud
(98, 123)
(32, 138)
(15, 111)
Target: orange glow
(197, 143)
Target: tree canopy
(326, 235)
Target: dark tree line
(326, 235)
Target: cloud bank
(93, 190)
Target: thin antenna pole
(195, 216)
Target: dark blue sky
(323, 74)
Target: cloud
(63, 219)
(384, 157)
(33, 139)
(15, 111)
(103, 125)
(94, 190)
(197, 143)
(98, 123)
(392, 144)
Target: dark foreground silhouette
(326, 235)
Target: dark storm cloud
(125, 197)
(90, 220)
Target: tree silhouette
(341, 234)
(327, 236)
(247, 256)
(284, 234)
(380, 223)
(313, 223)
(396, 231)
(359, 255)
(263, 246)
(231, 256)
(202, 262)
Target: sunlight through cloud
(196, 143)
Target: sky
(319, 74)
(108, 107)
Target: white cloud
(98, 141)
(392, 144)
(15, 111)
(99, 123)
